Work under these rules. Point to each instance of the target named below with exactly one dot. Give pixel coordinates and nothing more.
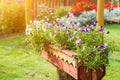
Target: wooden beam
(28, 11)
(100, 12)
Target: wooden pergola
(29, 10)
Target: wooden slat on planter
(65, 55)
(59, 59)
(68, 68)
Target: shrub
(62, 11)
(86, 5)
(87, 16)
(84, 18)
(109, 5)
(46, 13)
(81, 6)
(12, 16)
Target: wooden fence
(31, 6)
(57, 3)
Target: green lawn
(20, 63)
(113, 71)
(17, 62)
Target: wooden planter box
(68, 66)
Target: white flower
(28, 30)
(57, 19)
(36, 22)
(71, 15)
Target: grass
(18, 62)
(113, 71)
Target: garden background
(20, 62)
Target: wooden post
(63, 75)
(100, 12)
(28, 11)
(35, 8)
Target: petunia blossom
(78, 42)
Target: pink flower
(78, 42)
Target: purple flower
(104, 46)
(67, 25)
(63, 28)
(101, 29)
(108, 32)
(57, 25)
(50, 25)
(87, 25)
(60, 24)
(86, 29)
(78, 42)
(71, 38)
(71, 15)
(95, 22)
(91, 27)
(95, 47)
(79, 29)
(75, 22)
(78, 24)
(46, 23)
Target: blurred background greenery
(12, 16)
